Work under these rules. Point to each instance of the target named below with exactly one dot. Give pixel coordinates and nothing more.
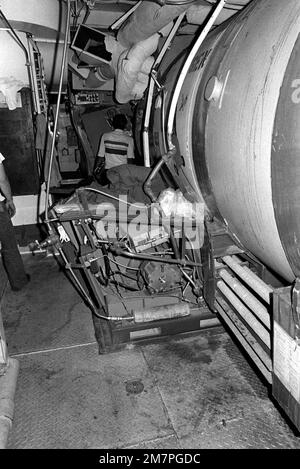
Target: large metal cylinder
(238, 121)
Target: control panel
(88, 97)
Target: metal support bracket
(154, 74)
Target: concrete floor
(183, 392)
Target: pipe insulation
(253, 303)
(162, 312)
(245, 313)
(249, 277)
(134, 67)
(8, 384)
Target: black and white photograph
(150, 231)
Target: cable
(87, 14)
(162, 253)
(142, 297)
(76, 16)
(187, 277)
(117, 289)
(91, 189)
(117, 292)
(57, 113)
(122, 265)
(83, 292)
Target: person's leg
(11, 257)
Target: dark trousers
(11, 257)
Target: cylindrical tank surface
(238, 126)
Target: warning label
(287, 361)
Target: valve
(36, 245)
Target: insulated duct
(134, 67)
(137, 40)
(146, 20)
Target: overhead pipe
(253, 303)
(166, 260)
(245, 313)
(250, 278)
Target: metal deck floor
(184, 393)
